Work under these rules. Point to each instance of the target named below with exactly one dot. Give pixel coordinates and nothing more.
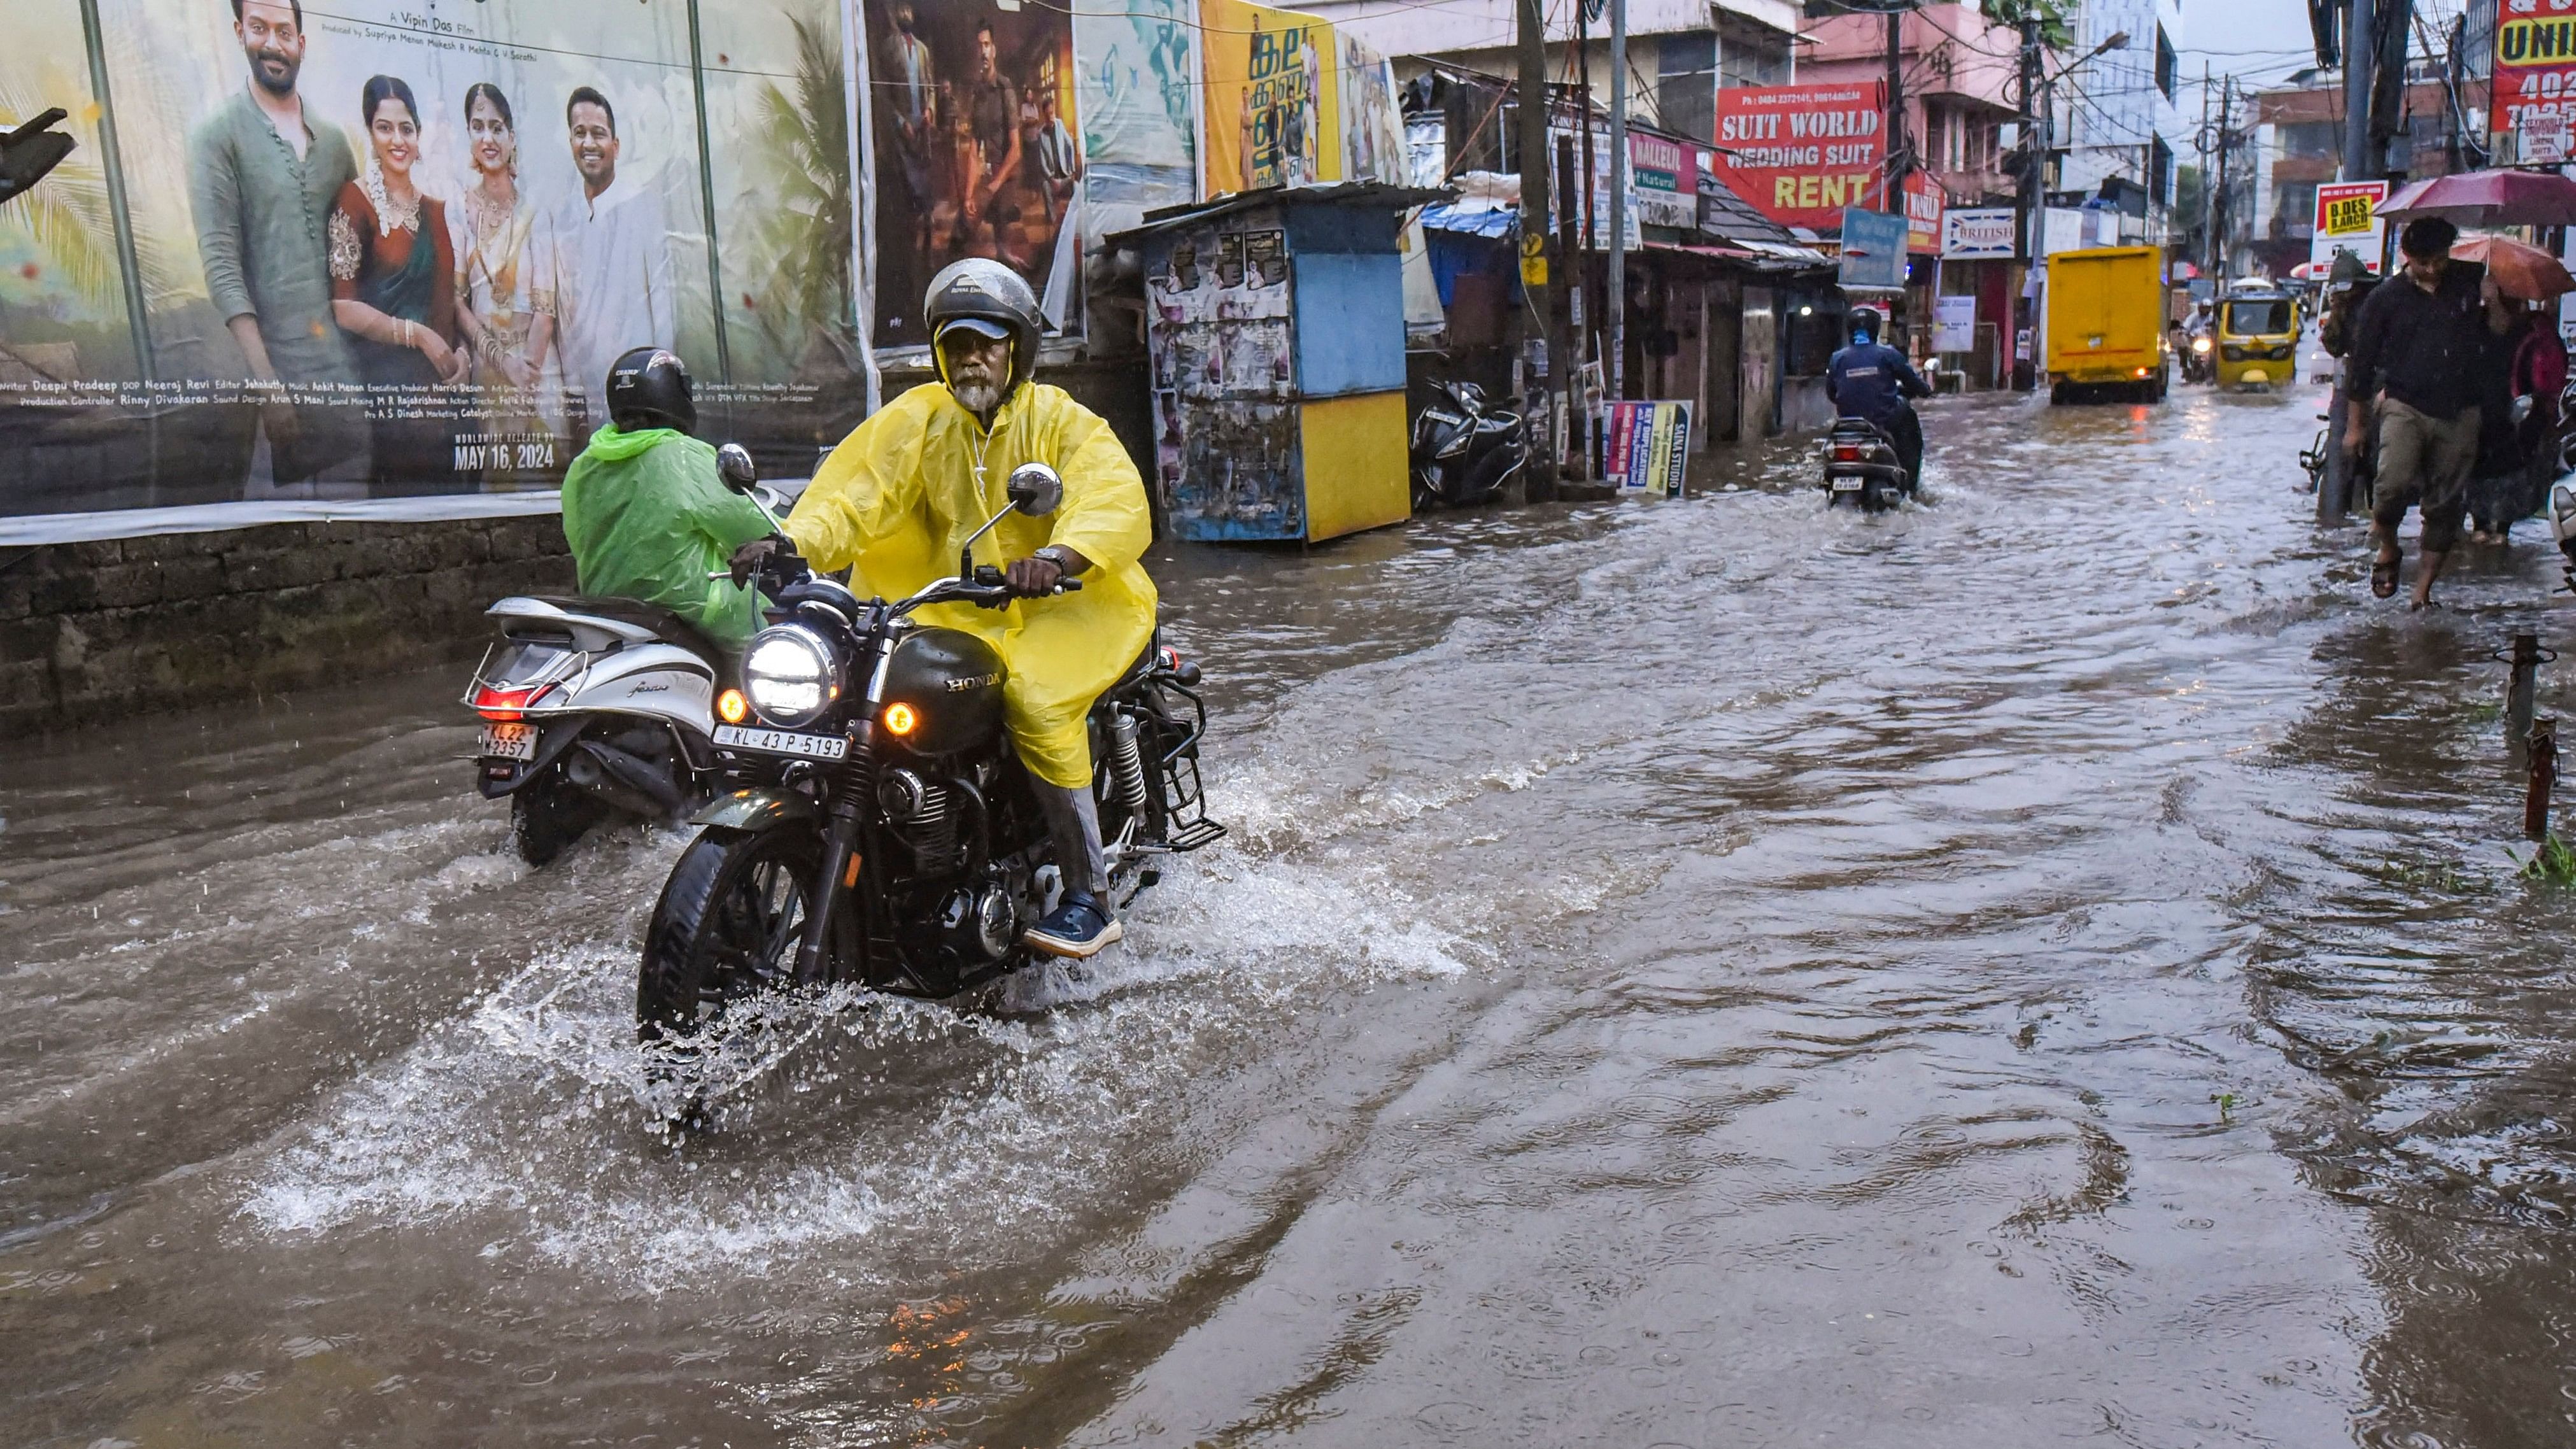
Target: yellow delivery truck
(2106, 325)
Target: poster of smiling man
(978, 151)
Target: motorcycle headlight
(789, 674)
(2200, 344)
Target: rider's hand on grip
(765, 557)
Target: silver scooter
(598, 709)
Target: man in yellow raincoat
(901, 494)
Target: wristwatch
(1057, 556)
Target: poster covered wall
(977, 152)
(1799, 154)
(375, 251)
(1273, 86)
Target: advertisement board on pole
(1954, 324)
(1272, 115)
(1873, 249)
(1800, 154)
(2348, 220)
(1977, 233)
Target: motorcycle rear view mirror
(734, 466)
(1036, 489)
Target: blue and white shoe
(1078, 927)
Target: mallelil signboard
(1665, 175)
(1800, 154)
(1977, 233)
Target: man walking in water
(2420, 353)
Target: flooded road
(2038, 966)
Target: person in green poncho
(645, 512)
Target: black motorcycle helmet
(648, 387)
(989, 298)
(1866, 324)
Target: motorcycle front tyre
(728, 925)
(548, 814)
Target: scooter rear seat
(666, 626)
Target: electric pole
(1618, 299)
(2222, 215)
(2359, 48)
(1896, 157)
(2026, 246)
(2208, 237)
(1537, 208)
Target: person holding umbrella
(2421, 349)
(2519, 430)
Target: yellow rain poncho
(901, 493)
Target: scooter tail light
(507, 705)
(1846, 453)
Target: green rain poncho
(648, 519)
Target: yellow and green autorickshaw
(2258, 338)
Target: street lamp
(2116, 40)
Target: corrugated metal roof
(1339, 193)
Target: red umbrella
(2489, 198)
(2520, 269)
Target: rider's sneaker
(1079, 927)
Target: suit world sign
(1801, 154)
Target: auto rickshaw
(2258, 338)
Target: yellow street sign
(1534, 261)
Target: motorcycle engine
(922, 812)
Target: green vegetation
(2552, 864)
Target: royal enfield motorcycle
(598, 709)
(1862, 467)
(874, 826)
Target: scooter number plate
(1847, 485)
(508, 742)
(783, 742)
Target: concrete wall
(89, 631)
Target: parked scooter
(1862, 467)
(598, 709)
(1464, 450)
(877, 827)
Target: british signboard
(1800, 154)
(1977, 233)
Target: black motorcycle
(1862, 467)
(874, 825)
(1463, 449)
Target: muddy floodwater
(2038, 967)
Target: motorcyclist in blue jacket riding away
(1872, 380)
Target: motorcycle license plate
(508, 742)
(783, 742)
(1847, 485)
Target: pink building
(1959, 73)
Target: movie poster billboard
(977, 152)
(370, 251)
(1273, 110)
(1373, 146)
(1136, 72)
(1800, 154)
(2535, 61)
